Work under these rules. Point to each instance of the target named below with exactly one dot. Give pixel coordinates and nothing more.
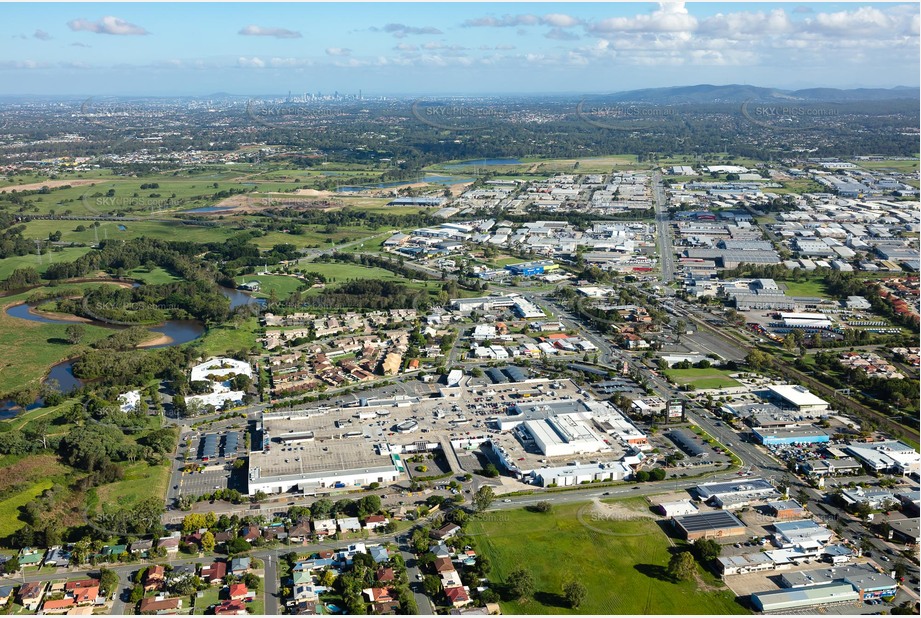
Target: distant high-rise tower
(359, 94)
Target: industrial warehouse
(539, 442)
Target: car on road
(506, 500)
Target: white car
(506, 500)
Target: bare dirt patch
(51, 184)
(30, 469)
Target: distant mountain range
(738, 93)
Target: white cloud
(41, 35)
(250, 63)
(669, 17)
(562, 35)
(107, 25)
(278, 33)
(559, 20)
(23, 64)
(338, 51)
(401, 31)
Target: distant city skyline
(452, 48)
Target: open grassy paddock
(701, 378)
(9, 507)
(813, 289)
(620, 561)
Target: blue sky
(441, 48)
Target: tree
(521, 584)
(657, 474)
(707, 549)
(108, 581)
(11, 566)
(575, 593)
(432, 585)
(642, 476)
(483, 498)
(369, 505)
(543, 506)
(75, 333)
(207, 541)
(682, 566)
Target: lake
(483, 162)
(179, 332)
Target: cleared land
(814, 289)
(701, 378)
(9, 508)
(620, 560)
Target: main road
(663, 231)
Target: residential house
(230, 608)
(155, 578)
(57, 556)
(214, 573)
(58, 606)
(300, 532)
(142, 546)
(30, 595)
(382, 599)
(29, 556)
(349, 524)
(373, 522)
(445, 532)
(324, 527)
(250, 533)
(160, 605)
(6, 593)
(457, 595)
(169, 543)
(379, 553)
(241, 565)
(384, 574)
(238, 592)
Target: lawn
(40, 262)
(906, 166)
(9, 508)
(141, 481)
(163, 230)
(281, 285)
(336, 272)
(620, 562)
(701, 378)
(208, 598)
(813, 289)
(228, 338)
(155, 276)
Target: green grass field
(620, 562)
(338, 273)
(9, 508)
(210, 596)
(223, 339)
(701, 378)
(155, 276)
(162, 230)
(905, 166)
(281, 285)
(814, 289)
(141, 481)
(40, 262)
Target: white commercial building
(564, 434)
(564, 476)
(796, 397)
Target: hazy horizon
(468, 49)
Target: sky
(450, 48)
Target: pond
(482, 162)
(178, 332)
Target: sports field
(621, 561)
(701, 378)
